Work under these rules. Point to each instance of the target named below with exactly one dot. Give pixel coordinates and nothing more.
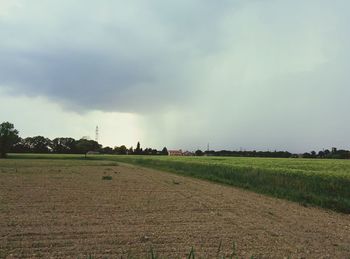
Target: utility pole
(96, 134)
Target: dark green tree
(123, 150)
(38, 144)
(63, 145)
(164, 151)
(84, 145)
(8, 137)
(327, 152)
(199, 153)
(107, 150)
(19, 147)
(138, 150)
(321, 154)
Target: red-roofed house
(175, 152)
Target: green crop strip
(324, 188)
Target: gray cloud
(256, 74)
(95, 56)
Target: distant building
(188, 153)
(175, 152)
(93, 153)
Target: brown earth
(70, 211)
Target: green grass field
(324, 183)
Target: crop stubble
(69, 211)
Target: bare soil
(71, 212)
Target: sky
(238, 74)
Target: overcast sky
(247, 74)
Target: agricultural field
(82, 208)
(324, 183)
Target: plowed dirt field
(65, 209)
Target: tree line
(40, 144)
(334, 153)
(11, 142)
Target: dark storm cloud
(252, 74)
(88, 79)
(110, 55)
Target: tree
(307, 155)
(38, 144)
(84, 145)
(19, 147)
(8, 137)
(164, 151)
(321, 154)
(327, 152)
(123, 150)
(107, 150)
(63, 145)
(138, 150)
(199, 153)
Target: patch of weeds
(176, 182)
(11, 224)
(304, 204)
(153, 255)
(110, 164)
(145, 239)
(129, 255)
(3, 254)
(234, 251)
(107, 177)
(191, 254)
(219, 249)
